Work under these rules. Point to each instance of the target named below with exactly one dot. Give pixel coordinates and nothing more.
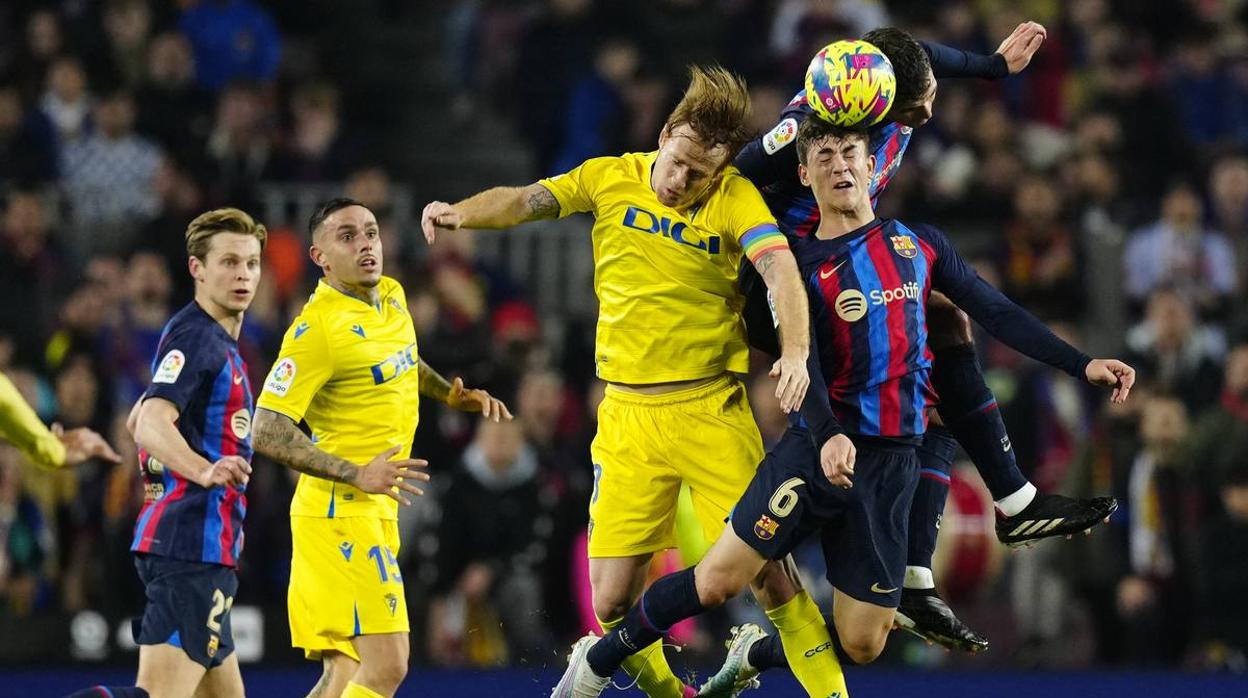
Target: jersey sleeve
(1002, 317)
(304, 365)
(20, 426)
(747, 219)
(766, 160)
(576, 189)
(185, 361)
(949, 62)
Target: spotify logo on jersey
(851, 305)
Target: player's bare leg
(383, 663)
(223, 681)
(337, 670)
(616, 583)
(862, 627)
(166, 672)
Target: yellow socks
(355, 690)
(808, 647)
(650, 668)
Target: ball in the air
(850, 83)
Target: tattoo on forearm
(432, 384)
(765, 263)
(543, 204)
(278, 438)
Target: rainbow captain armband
(762, 239)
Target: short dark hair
(814, 130)
(327, 209)
(911, 66)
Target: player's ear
(196, 267)
(802, 175)
(664, 134)
(318, 257)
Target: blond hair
(716, 106)
(221, 220)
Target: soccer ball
(850, 83)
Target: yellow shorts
(648, 444)
(344, 582)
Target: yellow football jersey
(666, 279)
(349, 369)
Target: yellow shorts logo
(851, 305)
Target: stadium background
(1106, 188)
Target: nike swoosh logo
(876, 588)
(830, 272)
(238, 378)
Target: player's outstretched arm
(46, 448)
(276, 436)
(1014, 325)
(500, 207)
(778, 268)
(454, 394)
(157, 430)
(1011, 57)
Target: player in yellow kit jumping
(349, 368)
(670, 228)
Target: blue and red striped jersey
(197, 367)
(868, 292)
(771, 163)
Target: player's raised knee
(718, 584)
(863, 646)
(611, 604)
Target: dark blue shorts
(188, 606)
(863, 529)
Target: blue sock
(936, 454)
(969, 409)
(768, 653)
(667, 602)
(109, 692)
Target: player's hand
(476, 400)
(793, 382)
(1021, 45)
(230, 471)
(837, 460)
(439, 215)
(1111, 373)
(84, 444)
(390, 477)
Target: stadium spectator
(494, 533)
(1179, 251)
(232, 40)
(240, 147)
(1039, 261)
(128, 25)
(172, 108)
(66, 103)
(26, 149)
(1178, 354)
(110, 178)
(1152, 597)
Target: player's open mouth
(843, 185)
(242, 293)
(368, 263)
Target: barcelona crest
(765, 528)
(904, 246)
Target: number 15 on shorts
(387, 566)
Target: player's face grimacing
(685, 168)
(838, 171)
(230, 272)
(918, 112)
(347, 246)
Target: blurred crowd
(1105, 188)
